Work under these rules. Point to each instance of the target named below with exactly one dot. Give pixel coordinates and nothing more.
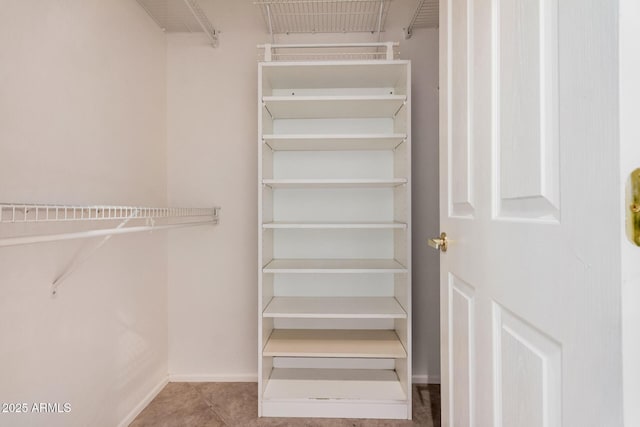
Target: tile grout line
(209, 405)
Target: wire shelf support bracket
(83, 256)
(426, 15)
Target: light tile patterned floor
(236, 405)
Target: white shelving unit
(335, 239)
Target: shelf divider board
(334, 183)
(335, 308)
(334, 225)
(342, 384)
(328, 142)
(334, 266)
(367, 343)
(299, 107)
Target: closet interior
(167, 165)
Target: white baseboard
(213, 378)
(144, 402)
(426, 379)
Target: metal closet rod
(39, 213)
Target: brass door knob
(633, 218)
(440, 243)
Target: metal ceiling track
(324, 16)
(180, 16)
(425, 16)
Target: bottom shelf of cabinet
(335, 393)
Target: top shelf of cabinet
(333, 106)
(335, 75)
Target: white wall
(82, 120)
(422, 49)
(212, 159)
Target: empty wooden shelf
(334, 266)
(334, 74)
(334, 225)
(298, 107)
(339, 384)
(337, 142)
(335, 307)
(334, 183)
(334, 343)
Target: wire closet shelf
(383, 51)
(21, 213)
(324, 16)
(24, 217)
(12, 212)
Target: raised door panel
(461, 352)
(528, 372)
(526, 129)
(459, 127)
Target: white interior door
(530, 284)
(629, 34)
